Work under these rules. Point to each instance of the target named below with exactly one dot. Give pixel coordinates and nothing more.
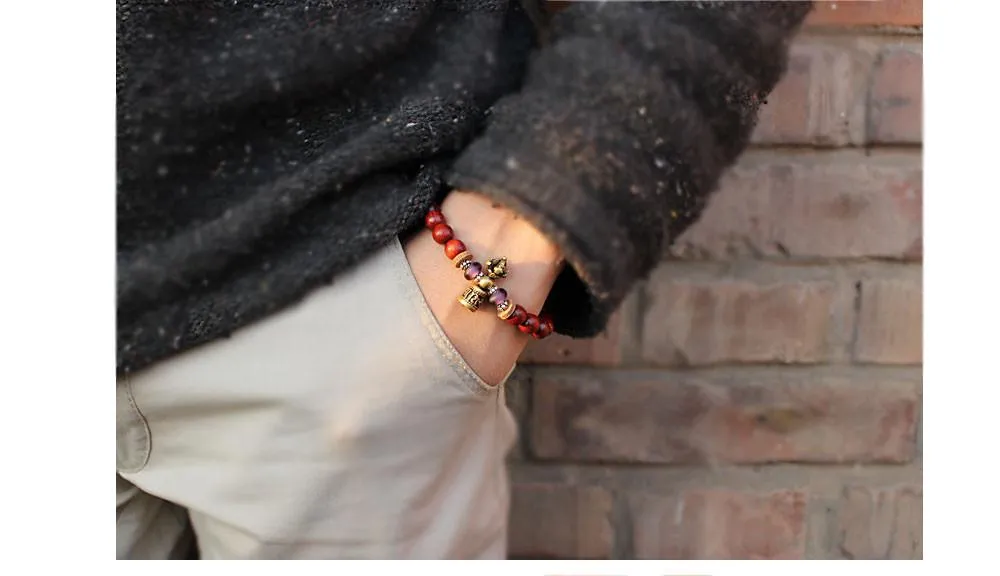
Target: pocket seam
(136, 420)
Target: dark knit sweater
(266, 146)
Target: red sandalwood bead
(530, 324)
(442, 233)
(453, 248)
(545, 328)
(518, 316)
(433, 218)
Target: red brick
(890, 322)
(895, 13)
(603, 350)
(820, 100)
(699, 324)
(746, 416)
(720, 525)
(896, 102)
(877, 524)
(558, 521)
(812, 206)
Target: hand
(489, 345)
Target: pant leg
(149, 528)
(346, 426)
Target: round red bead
(545, 328)
(518, 316)
(453, 248)
(530, 324)
(433, 218)
(442, 233)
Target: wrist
(492, 230)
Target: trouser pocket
(132, 434)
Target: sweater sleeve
(627, 117)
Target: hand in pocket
(489, 345)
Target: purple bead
(474, 269)
(499, 296)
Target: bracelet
(482, 286)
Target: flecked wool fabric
(264, 147)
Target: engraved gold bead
(472, 298)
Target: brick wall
(760, 395)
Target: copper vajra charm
(472, 298)
(497, 267)
(482, 286)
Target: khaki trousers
(346, 426)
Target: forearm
(621, 130)
(488, 344)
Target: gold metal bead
(464, 256)
(472, 298)
(497, 267)
(505, 310)
(485, 282)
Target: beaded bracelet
(482, 280)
